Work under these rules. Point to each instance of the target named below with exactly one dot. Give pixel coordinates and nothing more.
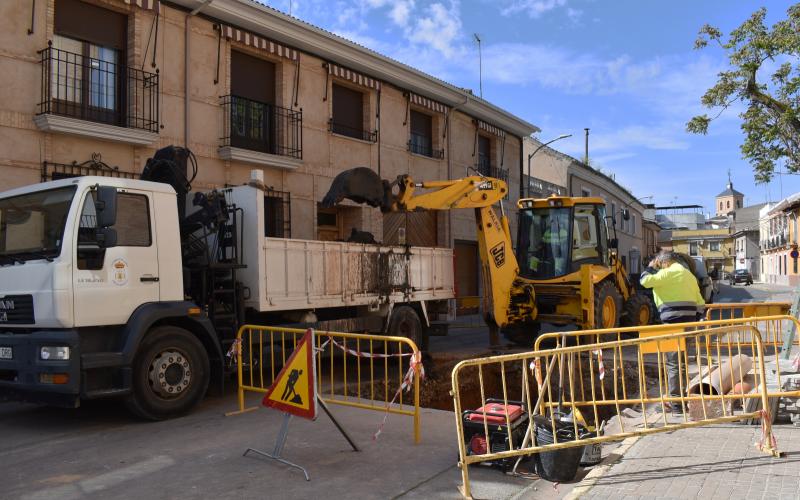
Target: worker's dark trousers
(671, 363)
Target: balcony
(421, 145)
(118, 102)
(261, 133)
(348, 131)
(484, 167)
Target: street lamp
(562, 136)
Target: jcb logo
(499, 254)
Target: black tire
(607, 301)
(522, 334)
(638, 310)
(178, 359)
(405, 322)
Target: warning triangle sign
(294, 390)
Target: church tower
(729, 200)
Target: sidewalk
(714, 462)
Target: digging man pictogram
(289, 390)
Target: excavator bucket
(360, 185)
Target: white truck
(109, 287)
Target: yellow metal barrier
(735, 310)
(770, 328)
(601, 379)
(371, 372)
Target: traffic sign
(294, 389)
(794, 254)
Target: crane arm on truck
(508, 299)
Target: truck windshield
(32, 225)
(543, 250)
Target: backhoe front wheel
(607, 305)
(170, 374)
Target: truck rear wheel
(170, 374)
(405, 323)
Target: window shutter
(89, 23)
(252, 78)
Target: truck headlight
(54, 353)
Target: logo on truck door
(119, 272)
(499, 254)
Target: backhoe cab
(564, 270)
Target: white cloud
(439, 28)
(534, 8)
(401, 12)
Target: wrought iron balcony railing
(263, 127)
(421, 145)
(489, 170)
(97, 90)
(355, 133)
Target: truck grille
(16, 310)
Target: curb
(597, 472)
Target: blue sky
(624, 68)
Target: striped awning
(488, 127)
(353, 76)
(427, 103)
(153, 5)
(258, 42)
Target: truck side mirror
(106, 237)
(106, 206)
(626, 214)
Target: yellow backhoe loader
(564, 270)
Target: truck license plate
(6, 353)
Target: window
(714, 246)
(785, 267)
(586, 192)
(720, 205)
(252, 103)
(277, 218)
(348, 113)
(86, 62)
(694, 248)
(728, 204)
(133, 220)
(584, 234)
(738, 203)
(484, 155)
(421, 134)
(633, 225)
(613, 213)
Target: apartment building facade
(779, 234)
(97, 86)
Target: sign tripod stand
(294, 392)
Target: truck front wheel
(170, 374)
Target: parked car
(741, 276)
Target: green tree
(771, 120)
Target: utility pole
(586, 148)
(480, 65)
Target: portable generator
(494, 411)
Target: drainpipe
(450, 239)
(186, 70)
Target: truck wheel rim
(609, 312)
(170, 374)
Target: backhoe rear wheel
(607, 305)
(638, 311)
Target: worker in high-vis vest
(678, 299)
(555, 236)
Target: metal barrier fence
(372, 372)
(772, 330)
(594, 383)
(736, 310)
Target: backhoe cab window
(586, 235)
(544, 246)
(32, 225)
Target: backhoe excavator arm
(500, 269)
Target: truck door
(109, 284)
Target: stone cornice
(258, 158)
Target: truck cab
(89, 268)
